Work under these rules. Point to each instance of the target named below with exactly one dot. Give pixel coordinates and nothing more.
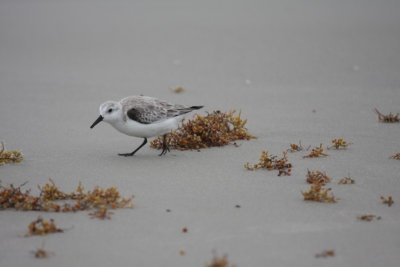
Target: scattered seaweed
(297, 147)
(270, 162)
(13, 198)
(339, 143)
(9, 156)
(325, 254)
(317, 177)
(368, 217)
(396, 156)
(319, 193)
(51, 192)
(41, 226)
(265, 162)
(316, 152)
(389, 118)
(214, 130)
(346, 180)
(387, 200)
(219, 262)
(101, 213)
(109, 198)
(41, 253)
(178, 89)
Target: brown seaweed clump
(319, 193)
(325, 254)
(339, 143)
(387, 200)
(346, 180)
(41, 226)
(390, 118)
(316, 152)
(15, 198)
(317, 177)
(41, 253)
(395, 156)
(368, 217)
(51, 192)
(9, 156)
(109, 198)
(216, 129)
(219, 262)
(270, 162)
(297, 147)
(178, 89)
(101, 213)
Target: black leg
(164, 146)
(136, 150)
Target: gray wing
(146, 110)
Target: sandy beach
(296, 70)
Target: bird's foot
(126, 154)
(165, 150)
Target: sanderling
(142, 116)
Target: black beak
(99, 119)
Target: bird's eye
(110, 110)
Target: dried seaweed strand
(101, 213)
(297, 147)
(389, 118)
(339, 143)
(395, 156)
(346, 180)
(270, 162)
(387, 200)
(368, 217)
(41, 253)
(319, 193)
(41, 226)
(325, 254)
(109, 198)
(317, 177)
(219, 262)
(9, 156)
(178, 89)
(316, 152)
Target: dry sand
(276, 61)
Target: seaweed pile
(213, 130)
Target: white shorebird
(142, 116)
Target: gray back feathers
(146, 110)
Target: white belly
(136, 129)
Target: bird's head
(110, 112)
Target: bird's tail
(184, 110)
(196, 107)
